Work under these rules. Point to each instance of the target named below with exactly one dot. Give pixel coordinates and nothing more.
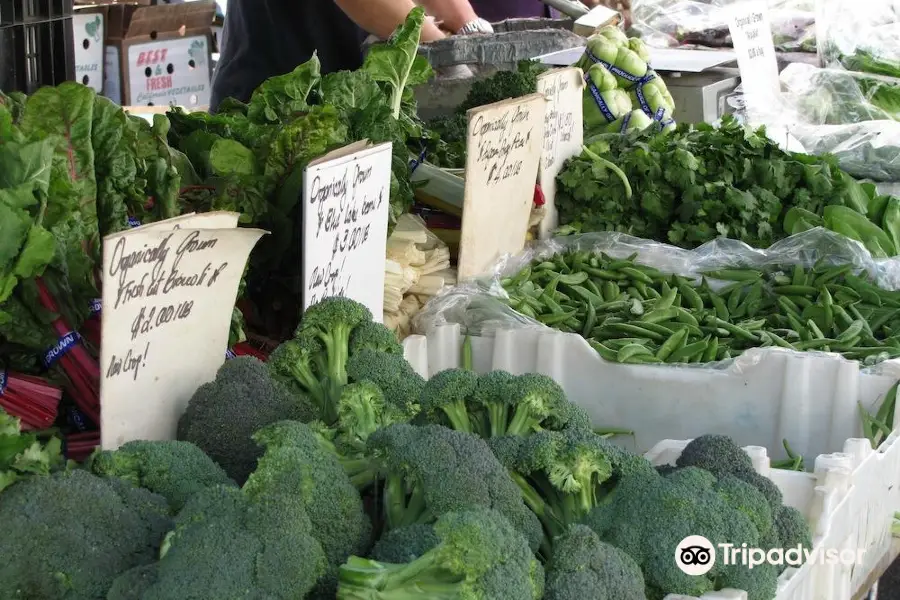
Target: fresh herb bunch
(701, 182)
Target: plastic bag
(848, 115)
(479, 306)
(664, 23)
(860, 37)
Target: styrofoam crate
(765, 396)
(849, 500)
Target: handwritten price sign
(505, 142)
(751, 34)
(345, 219)
(563, 133)
(167, 302)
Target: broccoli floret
(223, 415)
(134, 583)
(433, 470)
(490, 396)
(561, 474)
(375, 336)
(747, 499)
(299, 364)
(67, 536)
(648, 515)
(497, 403)
(295, 464)
(398, 381)
(479, 555)
(718, 454)
(174, 470)
(535, 398)
(766, 487)
(584, 567)
(405, 544)
(445, 396)
(791, 528)
(227, 545)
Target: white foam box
(88, 33)
(766, 395)
(849, 500)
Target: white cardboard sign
(346, 198)
(751, 34)
(504, 142)
(167, 302)
(563, 133)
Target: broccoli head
(295, 464)
(584, 567)
(477, 554)
(405, 544)
(747, 499)
(374, 336)
(134, 583)
(223, 415)
(498, 403)
(561, 473)
(791, 528)
(718, 454)
(648, 515)
(433, 470)
(444, 398)
(398, 381)
(227, 545)
(68, 535)
(175, 470)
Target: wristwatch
(475, 26)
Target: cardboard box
(159, 55)
(88, 34)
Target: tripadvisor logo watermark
(696, 555)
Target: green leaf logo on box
(92, 28)
(197, 51)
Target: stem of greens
(621, 174)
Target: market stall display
(707, 346)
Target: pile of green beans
(636, 314)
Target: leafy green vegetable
(702, 182)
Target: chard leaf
(397, 62)
(280, 99)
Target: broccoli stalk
(476, 554)
(535, 397)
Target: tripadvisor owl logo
(695, 555)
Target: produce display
(348, 476)
(633, 313)
(701, 182)
(319, 464)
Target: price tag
(345, 218)
(504, 144)
(751, 34)
(167, 301)
(563, 133)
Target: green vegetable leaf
(397, 62)
(280, 99)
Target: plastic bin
(36, 44)
(766, 395)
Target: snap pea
(670, 345)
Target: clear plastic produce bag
(665, 23)
(860, 36)
(479, 306)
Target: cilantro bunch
(698, 183)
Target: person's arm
(453, 14)
(382, 17)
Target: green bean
(734, 275)
(631, 350)
(671, 344)
(690, 350)
(690, 295)
(555, 319)
(638, 330)
(589, 320)
(637, 275)
(712, 351)
(666, 314)
(719, 305)
(796, 290)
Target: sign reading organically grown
(168, 295)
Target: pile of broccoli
(336, 471)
